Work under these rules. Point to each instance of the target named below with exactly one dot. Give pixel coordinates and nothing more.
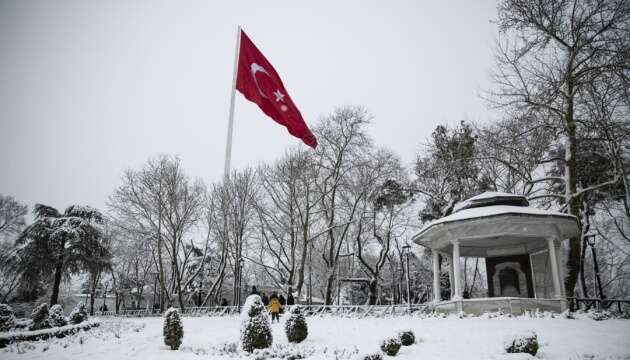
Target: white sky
(90, 88)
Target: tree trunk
(573, 260)
(58, 272)
(330, 282)
(372, 291)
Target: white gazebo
(521, 247)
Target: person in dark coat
(282, 300)
(290, 300)
(224, 302)
(254, 291)
(264, 299)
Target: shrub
(295, 327)
(39, 317)
(56, 316)
(526, 342)
(407, 337)
(255, 327)
(78, 314)
(391, 346)
(599, 315)
(370, 356)
(173, 329)
(7, 318)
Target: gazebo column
(436, 276)
(457, 271)
(451, 275)
(555, 271)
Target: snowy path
(449, 338)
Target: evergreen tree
(56, 316)
(78, 314)
(68, 242)
(295, 327)
(7, 319)
(173, 329)
(39, 317)
(255, 327)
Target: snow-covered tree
(7, 318)
(295, 327)
(173, 329)
(255, 327)
(68, 242)
(78, 314)
(39, 317)
(56, 316)
(552, 57)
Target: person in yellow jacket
(274, 307)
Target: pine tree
(78, 314)
(295, 327)
(7, 318)
(255, 327)
(61, 242)
(173, 328)
(56, 316)
(39, 317)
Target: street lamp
(590, 240)
(406, 250)
(240, 279)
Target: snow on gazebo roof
(494, 219)
(492, 198)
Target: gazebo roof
(497, 223)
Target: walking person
(275, 307)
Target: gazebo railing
(349, 311)
(618, 305)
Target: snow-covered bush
(525, 342)
(407, 337)
(56, 316)
(295, 326)
(255, 327)
(370, 356)
(599, 315)
(173, 329)
(7, 318)
(78, 314)
(39, 317)
(390, 346)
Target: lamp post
(590, 239)
(406, 250)
(240, 279)
(155, 279)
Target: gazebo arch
(513, 237)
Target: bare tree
(11, 215)
(342, 141)
(382, 186)
(160, 203)
(551, 51)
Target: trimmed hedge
(60, 332)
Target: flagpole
(228, 146)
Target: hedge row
(63, 331)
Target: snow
(343, 338)
(484, 196)
(495, 210)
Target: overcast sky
(90, 88)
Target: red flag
(261, 84)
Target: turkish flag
(261, 84)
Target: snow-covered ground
(340, 338)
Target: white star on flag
(279, 96)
